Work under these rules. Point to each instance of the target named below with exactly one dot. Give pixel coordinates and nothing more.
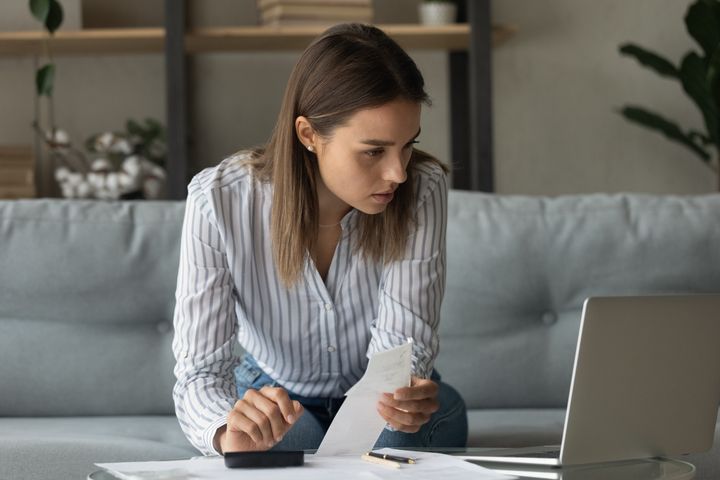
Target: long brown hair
(348, 68)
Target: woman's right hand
(258, 421)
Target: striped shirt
(314, 339)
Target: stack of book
(17, 172)
(314, 12)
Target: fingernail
(291, 419)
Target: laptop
(645, 383)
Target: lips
(384, 198)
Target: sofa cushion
(95, 337)
(70, 446)
(519, 269)
(514, 428)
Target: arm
(205, 336)
(205, 327)
(410, 299)
(412, 288)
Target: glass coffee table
(644, 469)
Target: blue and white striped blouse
(314, 338)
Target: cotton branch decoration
(129, 164)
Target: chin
(371, 209)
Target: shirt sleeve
(412, 288)
(205, 327)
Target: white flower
(61, 137)
(103, 141)
(152, 188)
(132, 166)
(157, 171)
(101, 165)
(68, 191)
(73, 179)
(121, 146)
(61, 174)
(97, 180)
(84, 190)
(112, 183)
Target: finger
(428, 405)
(420, 389)
(282, 399)
(403, 419)
(251, 411)
(238, 422)
(272, 412)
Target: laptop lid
(645, 383)
(646, 380)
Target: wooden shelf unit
(227, 39)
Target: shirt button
(328, 306)
(331, 349)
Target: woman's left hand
(410, 407)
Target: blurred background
(558, 84)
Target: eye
(374, 153)
(409, 145)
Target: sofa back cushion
(86, 304)
(519, 269)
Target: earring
(311, 148)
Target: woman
(313, 253)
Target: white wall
(556, 86)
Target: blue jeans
(446, 428)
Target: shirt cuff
(209, 436)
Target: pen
(380, 461)
(393, 458)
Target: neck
(331, 209)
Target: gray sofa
(86, 301)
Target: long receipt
(357, 425)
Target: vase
(437, 13)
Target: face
(365, 160)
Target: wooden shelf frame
(227, 39)
(470, 71)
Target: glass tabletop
(642, 469)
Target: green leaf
(55, 16)
(40, 9)
(134, 128)
(713, 76)
(702, 21)
(693, 76)
(649, 59)
(654, 121)
(44, 80)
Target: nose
(395, 169)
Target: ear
(305, 132)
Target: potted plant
(437, 12)
(115, 165)
(699, 75)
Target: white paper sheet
(357, 425)
(430, 466)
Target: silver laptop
(646, 382)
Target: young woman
(313, 253)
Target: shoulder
(430, 177)
(231, 176)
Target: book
(262, 4)
(17, 171)
(313, 12)
(11, 192)
(16, 176)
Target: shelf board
(227, 39)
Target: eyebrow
(386, 143)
